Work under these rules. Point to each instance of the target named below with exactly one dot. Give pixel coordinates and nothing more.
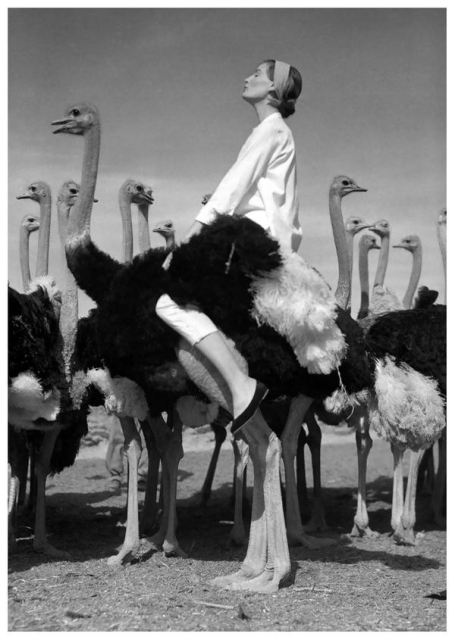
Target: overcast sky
(168, 84)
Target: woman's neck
(264, 110)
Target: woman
(261, 185)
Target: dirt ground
(358, 585)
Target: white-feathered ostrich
(130, 293)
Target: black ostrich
(214, 268)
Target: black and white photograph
(226, 336)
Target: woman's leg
(200, 331)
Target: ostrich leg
(42, 468)
(149, 512)
(267, 562)
(317, 521)
(13, 494)
(359, 420)
(397, 497)
(296, 535)
(133, 447)
(241, 456)
(437, 499)
(302, 489)
(219, 429)
(404, 534)
(169, 443)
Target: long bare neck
(343, 290)
(364, 280)
(79, 219)
(143, 227)
(24, 245)
(442, 239)
(382, 261)
(42, 259)
(124, 202)
(415, 277)
(70, 298)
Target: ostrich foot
(266, 582)
(359, 531)
(126, 554)
(244, 573)
(172, 550)
(316, 523)
(309, 542)
(48, 550)
(404, 537)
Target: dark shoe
(258, 397)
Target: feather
(196, 413)
(296, 301)
(122, 396)
(27, 401)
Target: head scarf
(280, 77)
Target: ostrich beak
(24, 196)
(61, 125)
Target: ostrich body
(126, 297)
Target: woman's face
(258, 85)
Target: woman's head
(288, 86)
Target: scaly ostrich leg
(42, 468)
(359, 420)
(317, 521)
(438, 497)
(296, 535)
(241, 456)
(133, 447)
(149, 511)
(13, 492)
(404, 534)
(169, 444)
(219, 429)
(269, 562)
(397, 496)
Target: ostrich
(413, 244)
(30, 223)
(40, 192)
(167, 231)
(126, 300)
(367, 242)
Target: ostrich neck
(42, 259)
(127, 225)
(170, 243)
(70, 302)
(414, 279)
(79, 219)
(143, 227)
(24, 240)
(364, 279)
(343, 290)
(382, 261)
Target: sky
(168, 85)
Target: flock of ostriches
(391, 376)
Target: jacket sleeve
(250, 165)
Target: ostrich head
(369, 242)
(165, 229)
(442, 217)
(37, 191)
(342, 185)
(30, 223)
(381, 228)
(68, 193)
(206, 198)
(355, 224)
(78, 119)
(410, 243)
(137, 191)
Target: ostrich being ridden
(126, 297)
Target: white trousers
(188, 321)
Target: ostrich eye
(75, 112)
(33, 189)
(139, 188)
(74, 191)
(345, 183)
